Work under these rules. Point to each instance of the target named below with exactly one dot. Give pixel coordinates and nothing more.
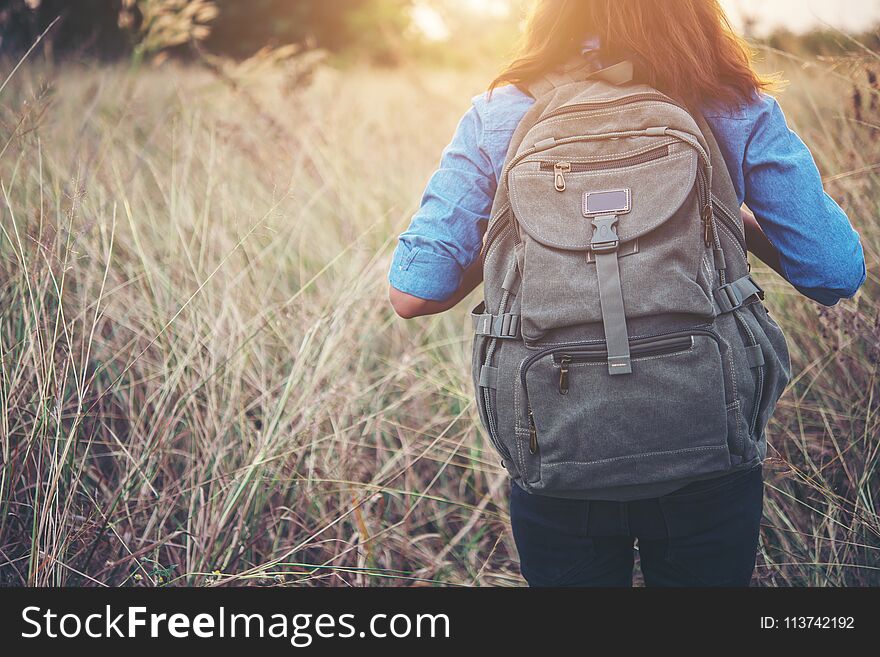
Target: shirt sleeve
(445, 236)
(820, 252)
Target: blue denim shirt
(773, 172)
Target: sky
(796, 15)
(800, 15)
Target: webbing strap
(604, 246)
(620, 74)
(541, 87)
(733, 295)
(503, 327)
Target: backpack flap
(636, 181)
(650, 186)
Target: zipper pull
(533, 433)
(560, 169)
(563, 374)
(708, 217)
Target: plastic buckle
(605, 238)
(760, 289)
(506, 327)
(732, 296)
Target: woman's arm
(410, 307)
(818, 251)
(437, 261)
(434, 264)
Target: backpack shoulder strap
(735, 263)
(722, 185)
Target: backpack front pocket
(588, 430)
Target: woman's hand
(410, 307)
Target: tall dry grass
(201, 381)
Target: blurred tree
(824, 42)
(373, 27)
(86, 27)
(112, 28)
(489, 32)
(163, 24)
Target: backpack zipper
(598, 354)
(560, 169)
(533, 434)
(637, 343)
(730, 224)
(564, 361)
(563, 167)
(759, 387)
(707, 212)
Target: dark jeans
(705, 534)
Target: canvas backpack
(622, 341)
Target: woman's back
(684, 390)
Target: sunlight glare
(490, 7)
(429, 22)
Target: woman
(706, 532)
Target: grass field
(201, 381)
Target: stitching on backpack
(516, 400)
(544, 345)
(732, 370)
(520, 434)
(705, 262)
(631, 457)
(599, 158)
(637, 360)
(495, 246)
(516, 427)
(738, 418)
(701, 271)
(579, 115)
